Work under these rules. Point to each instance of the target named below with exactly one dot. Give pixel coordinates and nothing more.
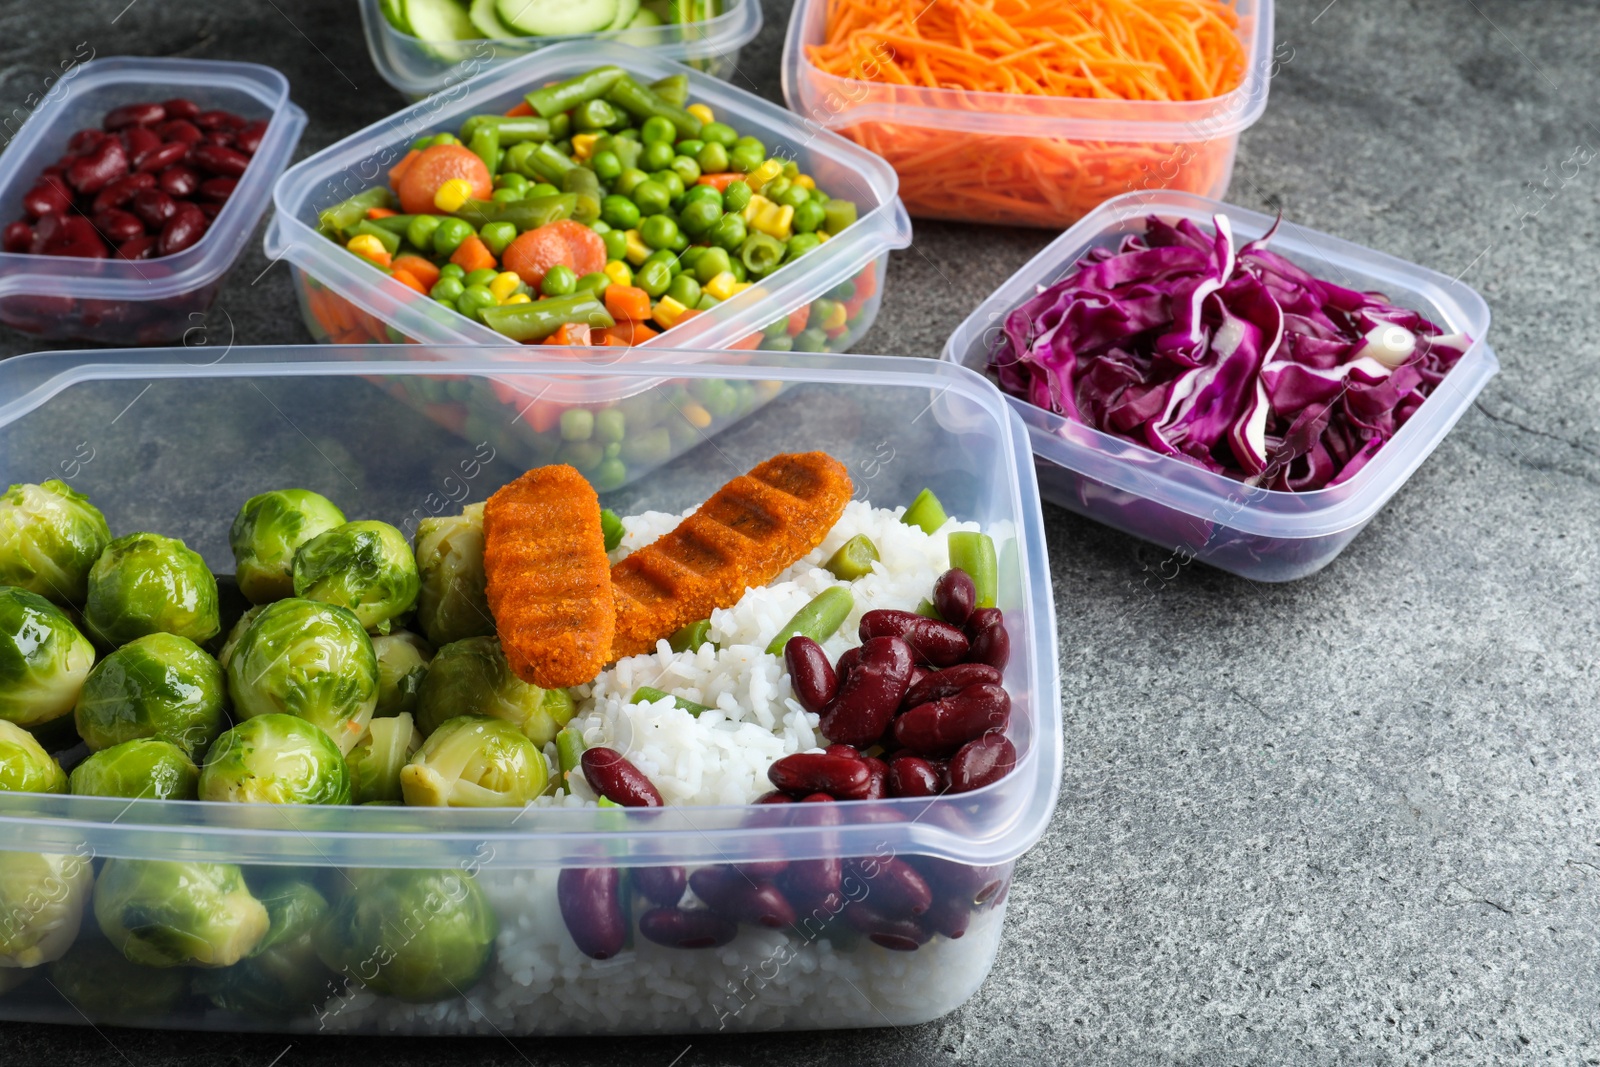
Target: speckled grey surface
(1350, 819)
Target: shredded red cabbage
(1230, 357)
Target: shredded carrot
(1137, 50)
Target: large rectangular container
(162, 443)
(1262, 534)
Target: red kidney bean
(954, 596)
(810, 673)
(660, 885)
(761, 870)
(214, 119)
(776, 796)
(970, 884)
(83, 141)
(140, 142)
(117, 226)
(184, 131)
(849, 659)
(249, 137)
(814, 798)
(678, 928)
(900, 935)
(848, 751)
(610, 774)
(895, 889)
(933, 642)
(918, 673)
(179, 180)
(98, 168)
(990, 642)
(180, 108)
(913, 776)
(119, 192)
(141, 247)
(167, 155)
(942, 726)
(74, 236)
(145, 114)
(948, 916)
(217, 159)
(46, 231)
(981, 762)
(733, 896)
(224, 138)
(45, 199)
(218, 189)
(870, 694)
(878, 787)
(937, 685)
(187, 225)
(211, 209)
(591, 906)
(18, 236)
(818, 772)
(154, 207)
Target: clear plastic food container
(1261, 534)
(1036, 160)
(450, 918)
(419, 68)
(345, 299)
(151, 301)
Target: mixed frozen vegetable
(465, 20)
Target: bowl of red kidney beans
(131, 190)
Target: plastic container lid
(363, 159)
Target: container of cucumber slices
(423, 46)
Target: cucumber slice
(644, 20)
(395, 14)
(626, 10)
(557, 18)
(488, 23)
(439, 20)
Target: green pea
(811, 339)
(845, 290)
(680, 242)
(619, 212)
(691, 255)
(629, 180)
(616, 244)
(710, 264)
(713, 158)
(686, 168)
(497, 235)
(746, 158)
(651, 197)
(446, 290)
(596, 282)
(776, 328)
(577, 424)
(611, 474)
(779, 344)
(656, 155)
(702, 192)
(736, 268)
(601, 227)
(607, 166)
(419, 231)
(658, 130)
(482, 276)
(540, 190)
(791, 168)
(674, 182)
(794, 196)
(453, 270)
(698, 216)
(736, 197)
(653, 277)
(775, 188)
(807, 217)
(559, 280)
(719, 133)
(666, 257)
(685, 290)
(751, 142)
(449, 235)
(658, 231)
(511, 180)
(610, 425)
(506, 196)
(690, 147)
(474, 300)
(801, 243)
(443, 138)
(729, 232)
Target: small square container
(346, 299)
(420, 68)
(437, 890)
(1082, 151)
(1261, 534)
(152, 301)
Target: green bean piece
(537, 320)
(926, 609)
(556, 99)
(761, 254)
(837, 214)
(611, 527)
(569, 750)
(394, 223)
(550, 163)
(649, 695)
(335, 220)
(529, 213)
(691, 637)
(818, 620)
(674, 89)
(925, 513)
(853, 560)
(388, 238)
(513, 129)
(583, 184)
(974, 553)
(643, 104)
(485, 144)
(594, 115)
(628, 150)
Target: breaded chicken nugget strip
(744, 536)
(548, 577)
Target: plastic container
(1082, 151)
(419, 68)
(1261, 534)
(346, 299)
(152, 301)
(899, 425)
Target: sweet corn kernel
(753, 210)
(763, 174)
(836, 317)
(619, 273)
(518, 298)
(452, 194)
(739, 287)
(369, 247)
(638, 251)
(775, 221)
(806, 182)
(583, 144)
(722, 285)
(822, 238)
(504, 284)
(698, 416)
(701, 112)
(669, 310)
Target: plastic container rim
(1193, 490)
(564, 836)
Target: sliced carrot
(398, 171)
(472, 254)
(419, 268)
(564, 243)
(798, 319)
(381, 212)
(627, 302)
(522, 108)
(719, 182)
(409, 280)
(435, 166)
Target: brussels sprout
(283, 976)
(310, 660)
(165, 913)
(160, 685)
(43, 659)
(364, 566)
(50, 535)
(267, 532)
(99, 981)
(376, 762)
(231, 642)
(25, 767)
(146, 767)
(145, 583)
(275, 759)
(454, 603)
(41, 905)
(473, 762)
(418, 936)
(472, 677)
(402, 664)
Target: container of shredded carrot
(1033, 112)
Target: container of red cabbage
(1236, 388)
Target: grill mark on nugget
(744, 536)
(549, 581)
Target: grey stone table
(1351, 819)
